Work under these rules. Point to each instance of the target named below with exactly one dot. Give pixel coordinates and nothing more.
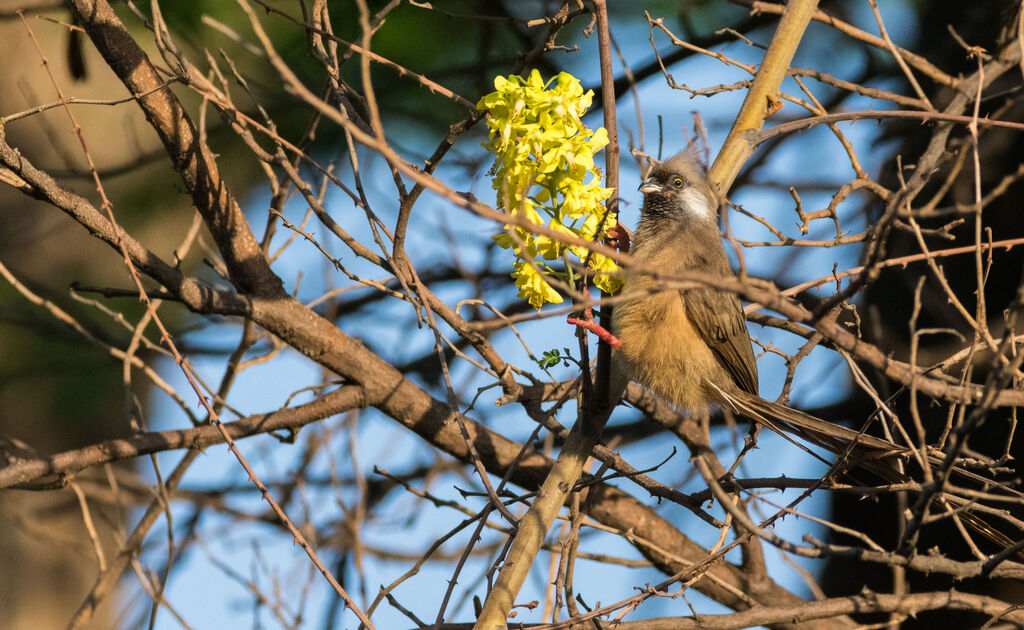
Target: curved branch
(342, 399)
(738, 145)
(192, 159)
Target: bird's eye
(677, 182)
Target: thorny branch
(325, 135)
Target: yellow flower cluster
(544, 158)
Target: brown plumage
(676, 342)
(692, 347)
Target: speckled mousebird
(691, 345)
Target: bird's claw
(620, 237)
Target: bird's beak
(649, 186)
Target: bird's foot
(620, 237)
(588, 323)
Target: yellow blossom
(544, 171)
(533, 286)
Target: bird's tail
(783, 420)
(860, 450)
(868, 452)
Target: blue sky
(208, 597)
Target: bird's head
(678, 190)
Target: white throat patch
(697, 203)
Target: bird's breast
(660, 348)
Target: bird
(691, 345)
(678, 342)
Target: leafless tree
(275, 224)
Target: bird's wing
(718, 317)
